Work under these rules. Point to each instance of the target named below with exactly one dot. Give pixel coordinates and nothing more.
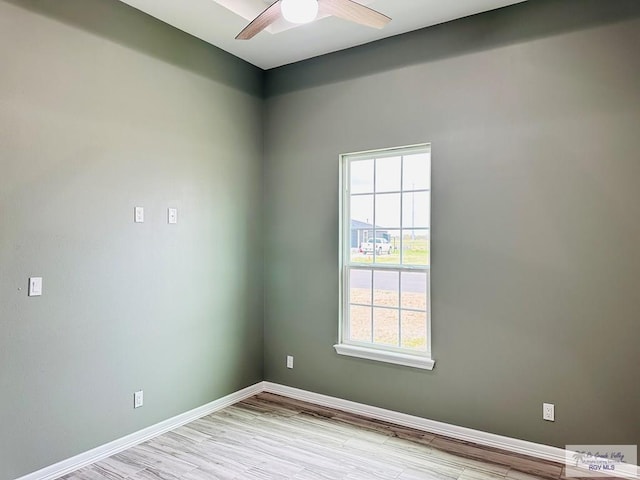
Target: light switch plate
(138, 215)
(172, 215)
(35, 286)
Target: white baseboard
(99, 453)
(514, 445)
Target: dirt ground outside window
(387, 328)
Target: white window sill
(414, 361)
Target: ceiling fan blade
(353, 11)
(262, 21)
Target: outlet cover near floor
(138, 399)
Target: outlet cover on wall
(548, 412)
(172, 215)
(289, 361)
(138, 399)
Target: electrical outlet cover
(548, 412)
(138, 399)
(172, 215)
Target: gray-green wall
(533, 112)
(101, 109)
(534, 117)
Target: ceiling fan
(305, 11)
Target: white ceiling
(214, 22)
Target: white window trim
(422, 360)
(416, 361)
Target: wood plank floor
(271, 437)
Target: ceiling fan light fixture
(299, 11)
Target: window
(385, 234)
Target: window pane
(360, 286)
(386, 326)
(362, 212)
(361, 176)
(361, 226)
(414, 330)
(415, 247)
(388, 174)
(360, 323)
(416, 210)
(386, 289)
(388, 211)
(416, 173)
(414, 290)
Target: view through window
(386, 227)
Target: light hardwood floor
(271, 437)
